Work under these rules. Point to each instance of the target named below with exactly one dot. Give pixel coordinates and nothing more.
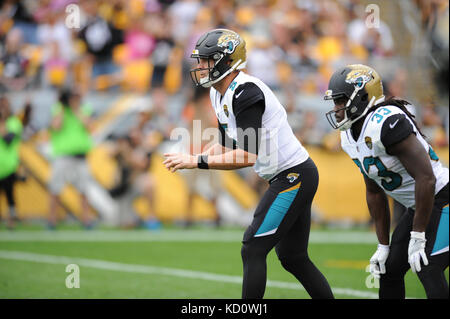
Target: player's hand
(378, 261)
(416, 251)
(175, 161)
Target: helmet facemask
(216, 69)
(331, 115)
(353, 109)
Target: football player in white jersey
(384, 141)
(255, 132)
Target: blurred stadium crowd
(143, 47)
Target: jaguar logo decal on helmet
(359, 77)
(229, 41)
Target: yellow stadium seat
(245, 16)
(80, 46)
(103, 82)
(120, 54)
(81, 72)
(34, 54)
(121, 20)
(284, 72)
(56, 76)
(105, 166)
(173, 76)
(6, 26)
(359, 51)
(329, 48)
(137, 75)
(136, 8)
(105, 10)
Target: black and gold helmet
(360, 86)
(225, 51)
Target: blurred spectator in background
(139, 39)
(160, 59)
(263, 60)
(182, 14)
(433, 125)
(100, 38)
(13, 65)
(10, 135)
(19, 16)
(25, 115)
(57, 43)
(395, 86)
(160, 120)
(435, 21)
(56, 67)
(256, 183)
(377, 40)
(121, 191)
(70, 143)
(137, 155)
(310, 132)
(198, 116)
(202, 22)
(133, 156)
(53, 31)
(304, 67)
(297, 42)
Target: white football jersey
(369, 153)
(279, 148)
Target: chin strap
(237, 66)
(348, 123)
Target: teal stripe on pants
(276, 212)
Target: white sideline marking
(319, 237)
(145, 269)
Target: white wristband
(418, 235)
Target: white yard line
(322, 237)
(145, 269)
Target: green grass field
(171, 263)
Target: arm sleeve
(248, 107)
(395, 129)
(224, 139)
